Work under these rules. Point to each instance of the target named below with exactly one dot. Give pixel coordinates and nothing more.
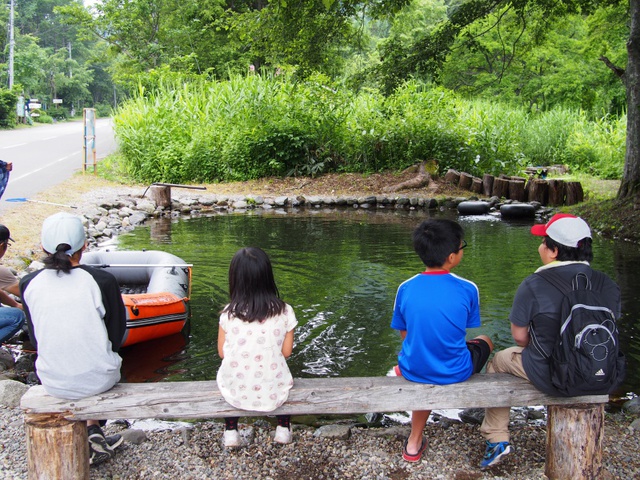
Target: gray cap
(63, 228)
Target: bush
(8, 103)
(59, 113)
(246, 128)
(40, 116)
(103, 110)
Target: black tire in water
(517, 210)
(473, 208)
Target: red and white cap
(564, 229)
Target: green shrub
(8, 103)
(193, 129)
(59, 113)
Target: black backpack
(586, 359)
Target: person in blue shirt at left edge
(432, 312)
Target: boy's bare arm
(520, 335)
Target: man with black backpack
(563, 320)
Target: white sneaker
(232, 438)
(283, 435)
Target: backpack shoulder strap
(555, 279)
(594, 283)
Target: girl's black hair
(59, 260)
(252, 288)
(582, 253)
(435, 239)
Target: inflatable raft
(156, 290)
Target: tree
(427, 55)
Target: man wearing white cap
(535, 319)
(76, 322)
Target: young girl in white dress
(255, 337)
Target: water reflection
(340, 272)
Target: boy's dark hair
(582, 253)
(252, 287)
(435, 239)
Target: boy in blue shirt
(432, 312)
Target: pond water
(340, 271)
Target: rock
(137, 218)
(6, 360)
(11, 392)
(342, 432)
(134, 436)
(632, 406)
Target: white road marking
(11, 179)
(14, 146)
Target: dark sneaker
(96, 458)
(98, 442)
(494, 453)
(114, 441)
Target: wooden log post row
(57, 436)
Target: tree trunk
(487, 184)
(630, 186)
(574, 441)
(420, 180)
(557, 192)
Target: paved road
(46, 155)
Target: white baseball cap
(564, 229)
(63, 228)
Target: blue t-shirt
(435, 309)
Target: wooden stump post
(476, 186)
(574, 441)
(557, 192)
(161, 194)
(538, 191)
(574, 193)
(516, 190)
(487, 184)
(452, 176)
(56, 448)
(500, 188)
(465, 181)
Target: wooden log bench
(57, 434)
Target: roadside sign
(57, 100)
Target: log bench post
(57, 446)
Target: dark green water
(340, 272)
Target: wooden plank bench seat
(57, 440)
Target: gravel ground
(194, 451)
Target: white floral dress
(254, 374)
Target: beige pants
(495, 426)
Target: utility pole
(12, 44)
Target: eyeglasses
(464, 244)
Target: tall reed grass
(184, 130)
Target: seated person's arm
(13, 289)
(520, 335)
(5, 299)
(403, 333)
